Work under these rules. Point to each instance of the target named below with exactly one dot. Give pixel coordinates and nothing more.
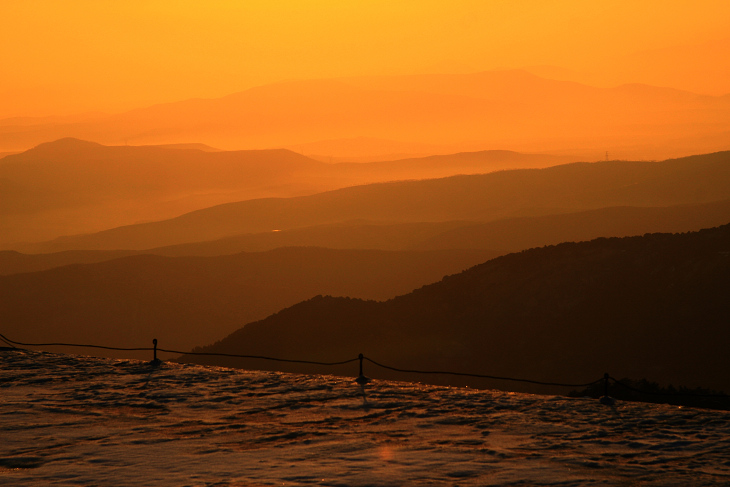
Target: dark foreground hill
(654, 306)
(185, 301)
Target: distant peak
(64, 145)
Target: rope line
(480, 376)
(12, 343)
(9, 341)
(310, 362)
(150, 349)
(216, 354)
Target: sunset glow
(88, 55)
(517, 211)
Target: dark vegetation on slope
(653, 306)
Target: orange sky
(62, 57)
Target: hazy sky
(69, 56)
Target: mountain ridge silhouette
(71, 186)
(486, 197)
(500, 236)
(651, 306)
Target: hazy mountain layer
(515, 234)
(12, 262)
(488, 197)
(654, 306)
(349, 235)
(71, 186)
(506, 109)
(501, 236)
(507, 235)
(183, 302)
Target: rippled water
(73, 420)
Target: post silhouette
(361, 379)
(605, 398)
(155, 360)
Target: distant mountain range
(482, 198)
(72, 186)
(499, 237)
(498, 109)
(192, 279)
(653, 306)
